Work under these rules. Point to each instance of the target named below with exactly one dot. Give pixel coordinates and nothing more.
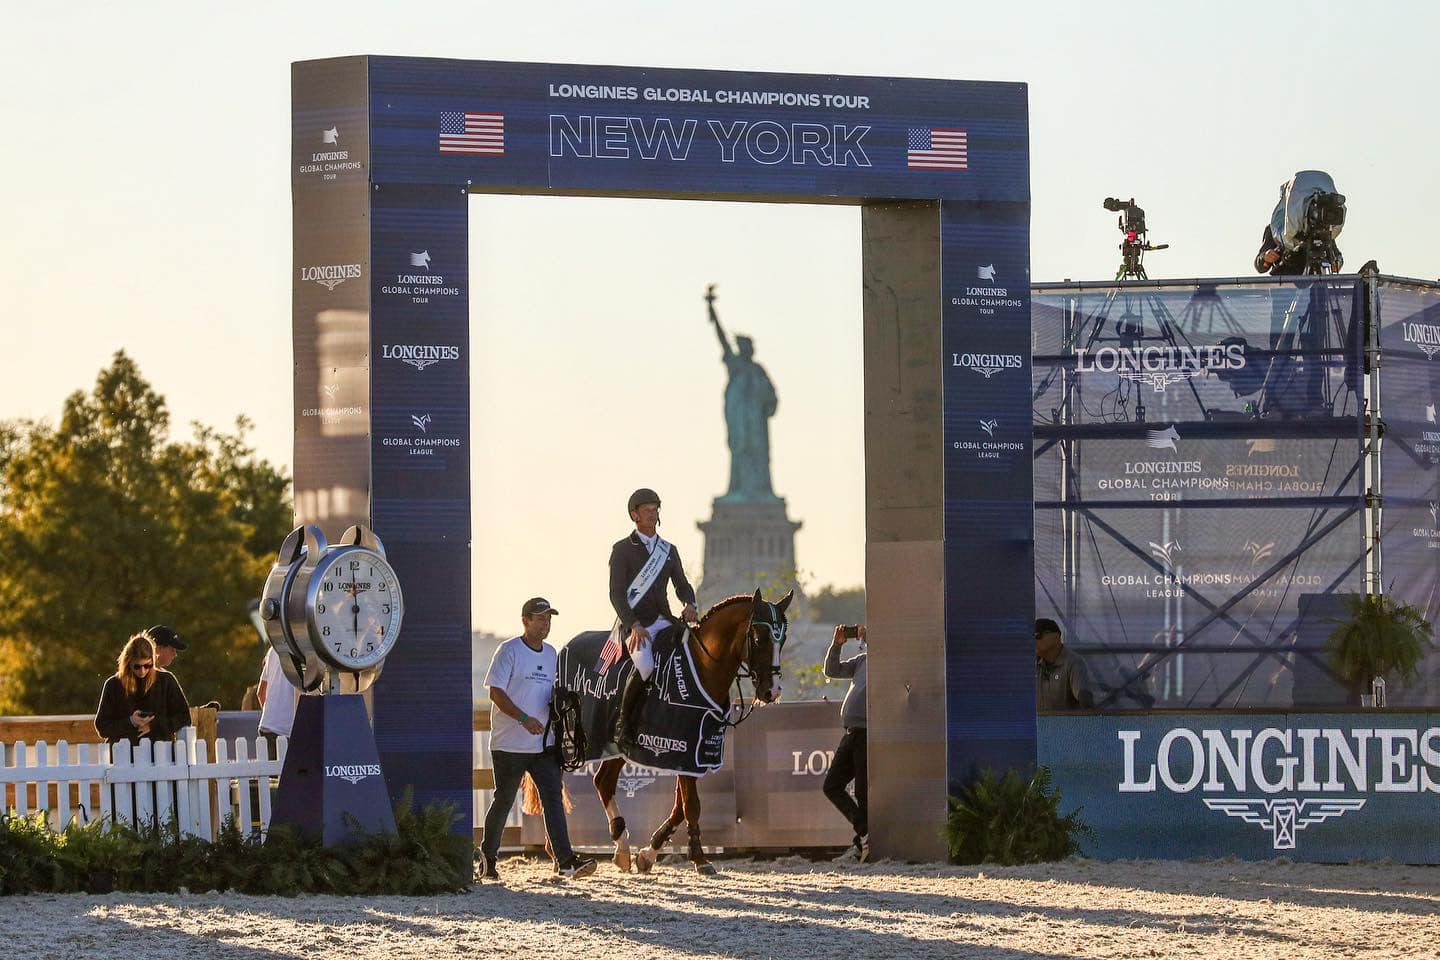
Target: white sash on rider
(649, 573)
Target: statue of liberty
(750, 402)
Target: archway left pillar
(380, 307)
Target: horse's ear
(756, 598)
(785, 601)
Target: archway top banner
(559, 127)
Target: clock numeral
(384, 608)
(354, 652)
(319, 608)
(384, 585)
(337, 648)
(324, 631)
(354, 564)
(369, 647)
(327, 586)
(339, 572)
(372, 571)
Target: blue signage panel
(439, 129)
(1323, 787)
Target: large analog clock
(332, 611)
(353, 608)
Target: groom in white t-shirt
(521, 682)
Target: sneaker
(488, 872)
(576, 867)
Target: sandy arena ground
(791, 908)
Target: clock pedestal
(332, 773)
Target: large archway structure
(385, 153)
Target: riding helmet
(641, 497)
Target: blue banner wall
(1323, 787)
(437, 130)
(1198, 484)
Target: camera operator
(1274, 259)
(849, 762)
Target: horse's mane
(722, 604)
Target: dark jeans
(544, 769)
(849, 764)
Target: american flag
(472, 133)
(930, 148)
(610, 653)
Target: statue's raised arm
(715, 319)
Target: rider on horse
(640, 565)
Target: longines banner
(1326, 787)
(384, 154)
(1198, 485)
(767, 793)
(1410, 463)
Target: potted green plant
(1382, 636)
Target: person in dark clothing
(850, 761)
(640, 567)
(1275, 260)
(1061, 681)
(141, 701)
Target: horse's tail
(530, 797)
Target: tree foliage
(838, 605)
(107, 526)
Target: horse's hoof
(622, 856)
(645, 859)
(706, 869)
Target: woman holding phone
(141, 701)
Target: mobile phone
(852, 631)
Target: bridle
(775, 626)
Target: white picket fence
(145, 784)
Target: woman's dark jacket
(165, 699)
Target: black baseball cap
(163, 636)
(535, 606)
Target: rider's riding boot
(631, 703)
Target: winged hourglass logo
(1286, 817)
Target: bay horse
(739, 632)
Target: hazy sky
(146, 162)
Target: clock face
(353, 608)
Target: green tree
(106, 527)
(838, 605)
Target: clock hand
(354, 605)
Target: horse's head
(765, 640)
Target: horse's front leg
(690, 793)
(646, 857)
(607, 776)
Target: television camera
(1306, 221)
(1136, 242)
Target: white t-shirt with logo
(528, 678)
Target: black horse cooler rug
(681, 729)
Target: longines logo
(331, 276)
(353, 772)
(987, 298)
(419, 355)
(419, 286)
(1160, 366)
(1269, 771)
(1426, 336)
(660, 745)
(633, 777)
(987, 364)
(331, 162)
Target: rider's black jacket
(626, 559)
